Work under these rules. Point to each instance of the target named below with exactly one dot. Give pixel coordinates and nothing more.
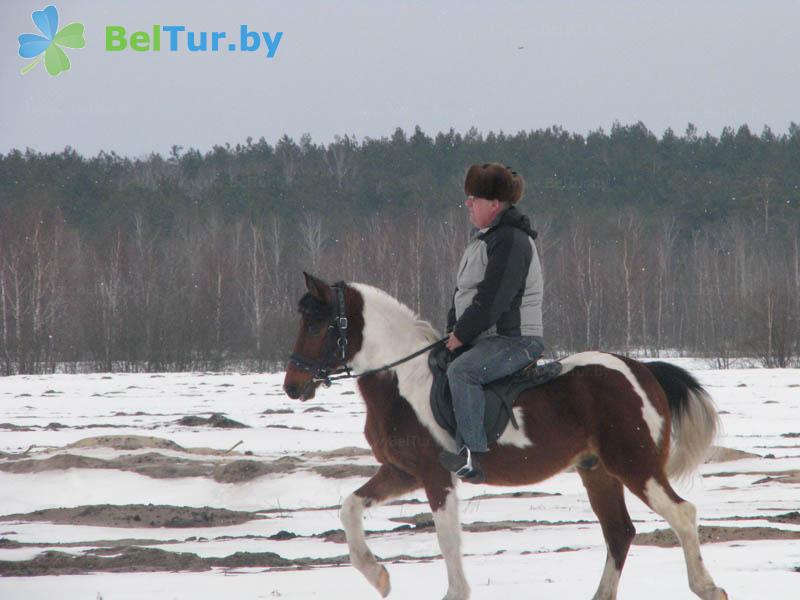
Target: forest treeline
(194, 260)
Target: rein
(321, 371)
(384, 367)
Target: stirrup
(463, 466)
(467, 468)
(456, 462)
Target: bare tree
(630, 228)
(665, 246)
(416, 240)
(15, 292)
(581, 261)
(254, 287)
(275, 248)
(50, 302)
(109, 291)
(144, 291)
(311, 238)
(4, 315)
(796, 269)
(218, 271)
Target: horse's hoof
(383, 583)
(716, 594)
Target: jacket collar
(511, 217)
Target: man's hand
(453, 343)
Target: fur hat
(494, 181)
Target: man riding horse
(496, 310)
(621, 422)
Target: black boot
(466, 464)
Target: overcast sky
(366, 67)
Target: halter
(336, 349)
(335, 344)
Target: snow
(562, 557)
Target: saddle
(500, 395)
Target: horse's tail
(695, 421)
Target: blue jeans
(488, 360)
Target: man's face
(482, 211)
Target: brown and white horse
(641, 422)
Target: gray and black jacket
(499, 283)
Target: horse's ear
(318, 288)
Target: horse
(622, 422)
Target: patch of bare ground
(138, 442)
(159, 466)
(292, 427)
(134, 559)
(720, 454)
(562, 549)
(215, 420)
(55, 426)
(245, 470)
(425, 521)
(786, 476)
(790, 517)
(126, 559)
(779, 447)
(151, 464)
(162, 466)
(712, 534)
(13, 427)
(7, 543)
(512, 495)
(345, 452)
(400, 502)
(137, 515)
(126, 442)
(342, 471)
(130, 560)
(781, 477)
(281, 535)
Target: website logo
(50, 42)
(180, 37)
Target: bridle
(322, 371)
(335, 345)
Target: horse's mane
(389, 305)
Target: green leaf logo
(32, 45)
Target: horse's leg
(650, 484)
(607, 498)
(682, 517)
(387, 483)
(444, 504)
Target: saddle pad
(500, 395)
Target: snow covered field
(282, 485)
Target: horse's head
(330, 335)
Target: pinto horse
(622, 422)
